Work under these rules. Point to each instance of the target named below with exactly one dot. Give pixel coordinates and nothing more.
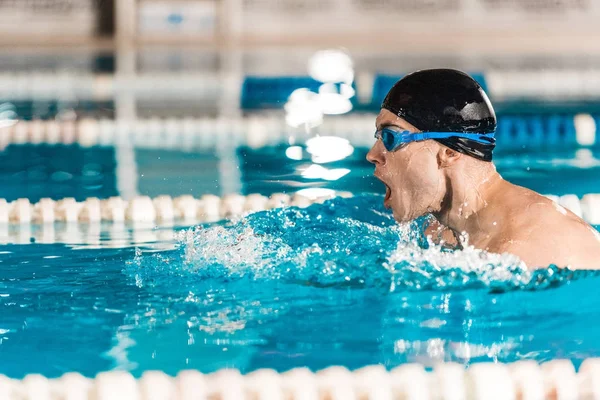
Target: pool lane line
(556, 379)
(143, 209)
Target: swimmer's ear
(447, 157)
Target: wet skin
(468, 197)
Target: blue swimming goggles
(394, 140)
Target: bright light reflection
(333, 102)
(298, 119)
(314, 193)
(301, 95)
(8, 115)
(346, 91)
(5, 123)
(584, 158)
(585, 129)
(319, 172)
(294, 153)
(303, 108)
(324, 149)
(331, 66)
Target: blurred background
(177, 98)
(265, 95)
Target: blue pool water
(338, 283)
(58, 171)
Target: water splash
(342, 243)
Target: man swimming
(435, 137)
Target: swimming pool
(337, 283)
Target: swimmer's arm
(439, 234)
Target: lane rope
(262, 130)
(208, 208)
(524, 380)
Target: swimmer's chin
(404, 217)
(399, 212)
(401, 219)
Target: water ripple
(342, 243)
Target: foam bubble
(343, 242)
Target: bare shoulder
(542, 232)
(530, 209)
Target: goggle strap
(407, 137)
(484, 138)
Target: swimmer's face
(412, 176)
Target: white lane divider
(143, 209)
(184, 133)
(208, 208)
(522, 380)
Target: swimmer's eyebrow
(389, 124)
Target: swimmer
(435, 138)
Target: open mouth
(388, 195)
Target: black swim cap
(445, 100)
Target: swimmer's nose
(375, 155)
